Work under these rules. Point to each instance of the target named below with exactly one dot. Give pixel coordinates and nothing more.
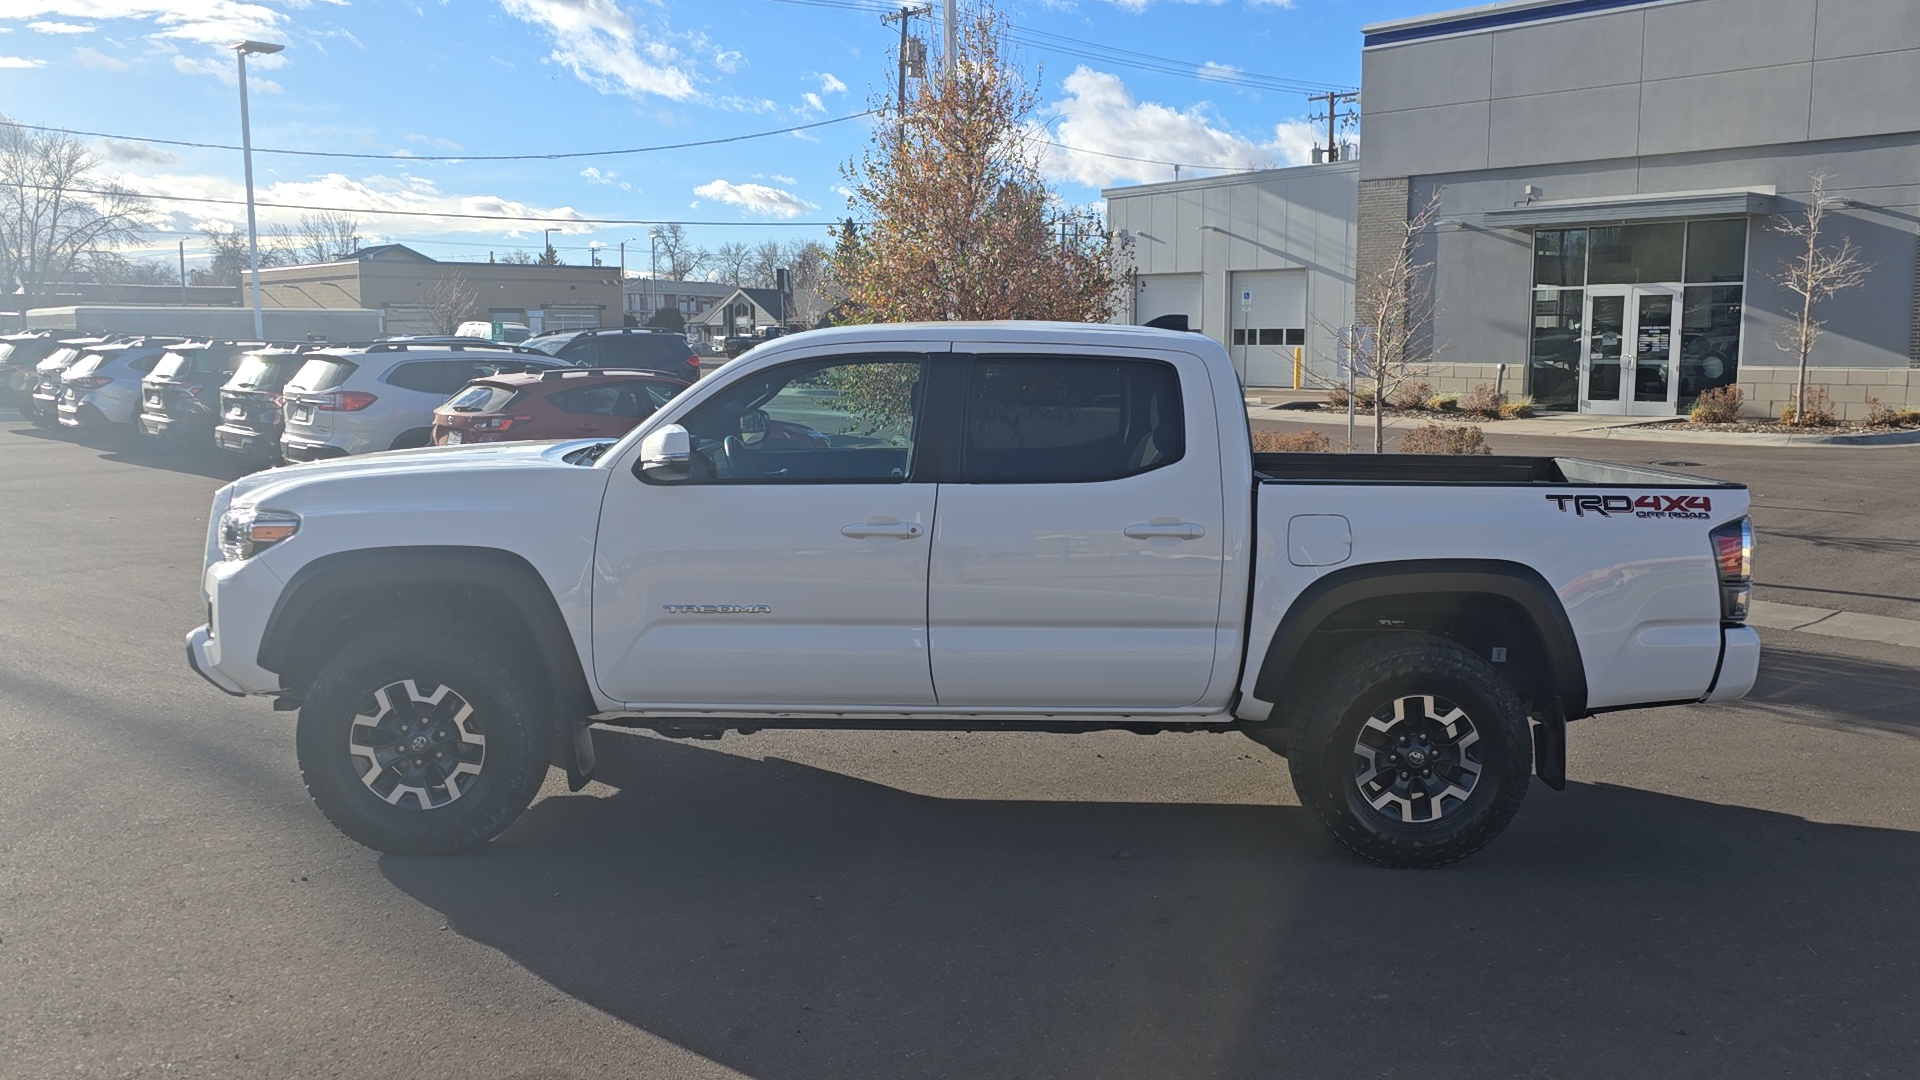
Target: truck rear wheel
(424, 737)
(1415, 753)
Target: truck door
(1077, 555)
(791, 567)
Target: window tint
(257, 372)
(444, 377)
(482, 399)
(86, 365)
(823, 420)
(144, 364)
(173, 365)
(1058, 420)
(626, 400)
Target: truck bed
(1466, 470)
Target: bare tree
(327, 236)
(279, 246)
(1393, 308)
(768, 258)
(229, 262)
(679, 258)
(447, 302)
(56, 210)
(730, 262)
(1814, 275)
(518, 257)
(113, 268)
(952, 217)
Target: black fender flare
(1521, 585)
(501, 572)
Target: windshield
(322, 373)
(258, 372)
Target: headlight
(245, 531)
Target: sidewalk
(1832, 622)
(1291, 406)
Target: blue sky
(377, 77)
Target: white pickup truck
(1017, 526)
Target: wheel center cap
(1417, 756)
(419, 743)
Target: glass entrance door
(1627, 365)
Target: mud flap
(1550, 750)
(573, 751)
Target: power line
(452, 157)
(371, 211)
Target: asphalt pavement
(1722, 891)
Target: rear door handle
(895, 530)
(1167, 530)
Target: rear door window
(1063, 420)
(443, 377)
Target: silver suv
(101, 391)
(382, 397)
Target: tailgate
(305, 418)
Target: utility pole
(183, 273)
(902, 16)
(946, 19)
(1333, 99)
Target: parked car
(382, 397)
(512, 333)
(100, 393)
(18, 355)
(43, 387)
(561, 403)
(1015, 526)
(180, 397)
(252, 415)
(639, 347)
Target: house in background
(391, 278)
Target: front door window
(1606, 337)
(1653, 350)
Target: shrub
(1880, 414)
(1816, 411)
(1336, 397)
(1910, 417)
(1482, 400)
(1517, 409)
(1448, 402)
(1291, 442)
(1445, 439)
(1362, 397)
(1720, 405)
(1412, 396)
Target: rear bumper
(1739, 664)
(246, 440)
(294, 448)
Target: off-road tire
(510, 711)
(1365, 680)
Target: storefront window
(1709, 338)
(1630, 254)
(1553, 361)
(1716, 250)
(1560, 257)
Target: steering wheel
(733, 457)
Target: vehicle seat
(1152, 447)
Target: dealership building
(1607, 174)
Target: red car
(559, 403)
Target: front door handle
(1167, 530)
(895, 530)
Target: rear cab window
(1065, 420)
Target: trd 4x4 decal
(1640, 506)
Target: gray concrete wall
(1276, 219)
(1664, 78)
(282, 324)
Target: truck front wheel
(1415, 753)
(424, 737)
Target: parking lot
(1721, 891)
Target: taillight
(90, 382)
(1733, 558)
(344, 401)
(694, 362)
(192, 390)
(499, 423)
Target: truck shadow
(793, 923)
(1834, 691)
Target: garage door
(1168, 294)
(1269, 322)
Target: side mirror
(666, 455)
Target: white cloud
(779, 179)
(728, 61)
(813, 101)
(1220, 72)
(600, 44)
(136, 153)
(93, 58)
(20, 62)
(59, 28)
(596, 175)
(829, 84)
(227, 71)
(756, 198)
(204, 22)
(365, 197)
(1099, 116)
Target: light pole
(548, 233)
(623, 270)
(240, 51)
(653, 274)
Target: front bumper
(1739, 664)
(199, 644)
(225, 652)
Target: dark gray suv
(637, 348)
